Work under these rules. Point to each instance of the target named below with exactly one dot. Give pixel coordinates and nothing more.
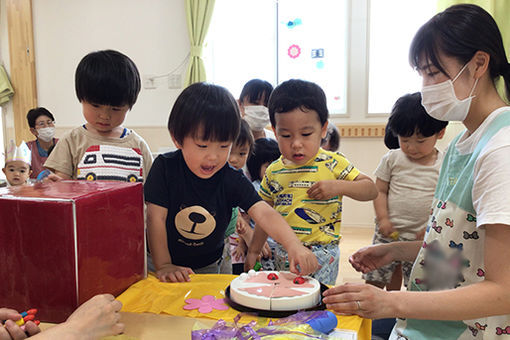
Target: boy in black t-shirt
(190, 193)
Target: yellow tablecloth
(152, 296)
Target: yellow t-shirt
(285, 187)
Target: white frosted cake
(275, 291)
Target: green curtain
(499, 9)
(198, 15)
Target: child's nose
(296, 143)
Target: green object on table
(257, 266)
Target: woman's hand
(361, 299)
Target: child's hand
(266, 251)
(324, 190)
(240, 250)
(385, 227)
(242, 226)
(11, 329)
(173, 273)
(421, 234)
(370, 258)
(249, 262)
(52, 178)
(302, 256)
(98, 317)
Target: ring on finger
(358, 304)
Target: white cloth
(411, 189)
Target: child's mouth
(207, 169)
(298, 156)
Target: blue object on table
(324, 323)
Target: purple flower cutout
(206, 304)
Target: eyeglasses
(48, 123)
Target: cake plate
(273, 313)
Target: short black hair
(255, 90)
(245, 136)
(107, 78)
(265, 150)
(408, 117)
(390, 140)
(35, 113)
(332, 137)
(206, 109)
(297, 93)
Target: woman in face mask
(253, 106)
(42, 126)
(460, 282)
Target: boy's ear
(3, 170)
(441, 133)
(324, 130)
(177, 144)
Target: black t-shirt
(199, 210)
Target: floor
(353, 238)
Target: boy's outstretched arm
(381, 208)
(362, 188)
(156, 227)
(275, 226)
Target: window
(280, 40)
(393, 25)
(356, 50)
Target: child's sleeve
(383, 170)
(155, 187)
(264, 190)
(147, 159)
(243, 192)
(344, 170)
(61, 158)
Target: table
(146, 302)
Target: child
(406, 180)
(190, 193)
(253, 105)
(265, 152)
(307, 183)
(107, 85)
(332, 140)
(42, 126)
(17, 164)
(458, 53)
(234, 251)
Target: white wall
(153, 33)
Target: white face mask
(440, 101)
(257, 117)
(46, 134)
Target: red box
(62, 243)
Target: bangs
(206, 112)
(425, 48)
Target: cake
(275, 291)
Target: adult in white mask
(460, 281)
(42, 126)
(253, 106)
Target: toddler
(107, 86)
(306, 184)
(17, 164)
(190, 192)
(406, 180)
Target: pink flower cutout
(206, 304)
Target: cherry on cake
(275, 291)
